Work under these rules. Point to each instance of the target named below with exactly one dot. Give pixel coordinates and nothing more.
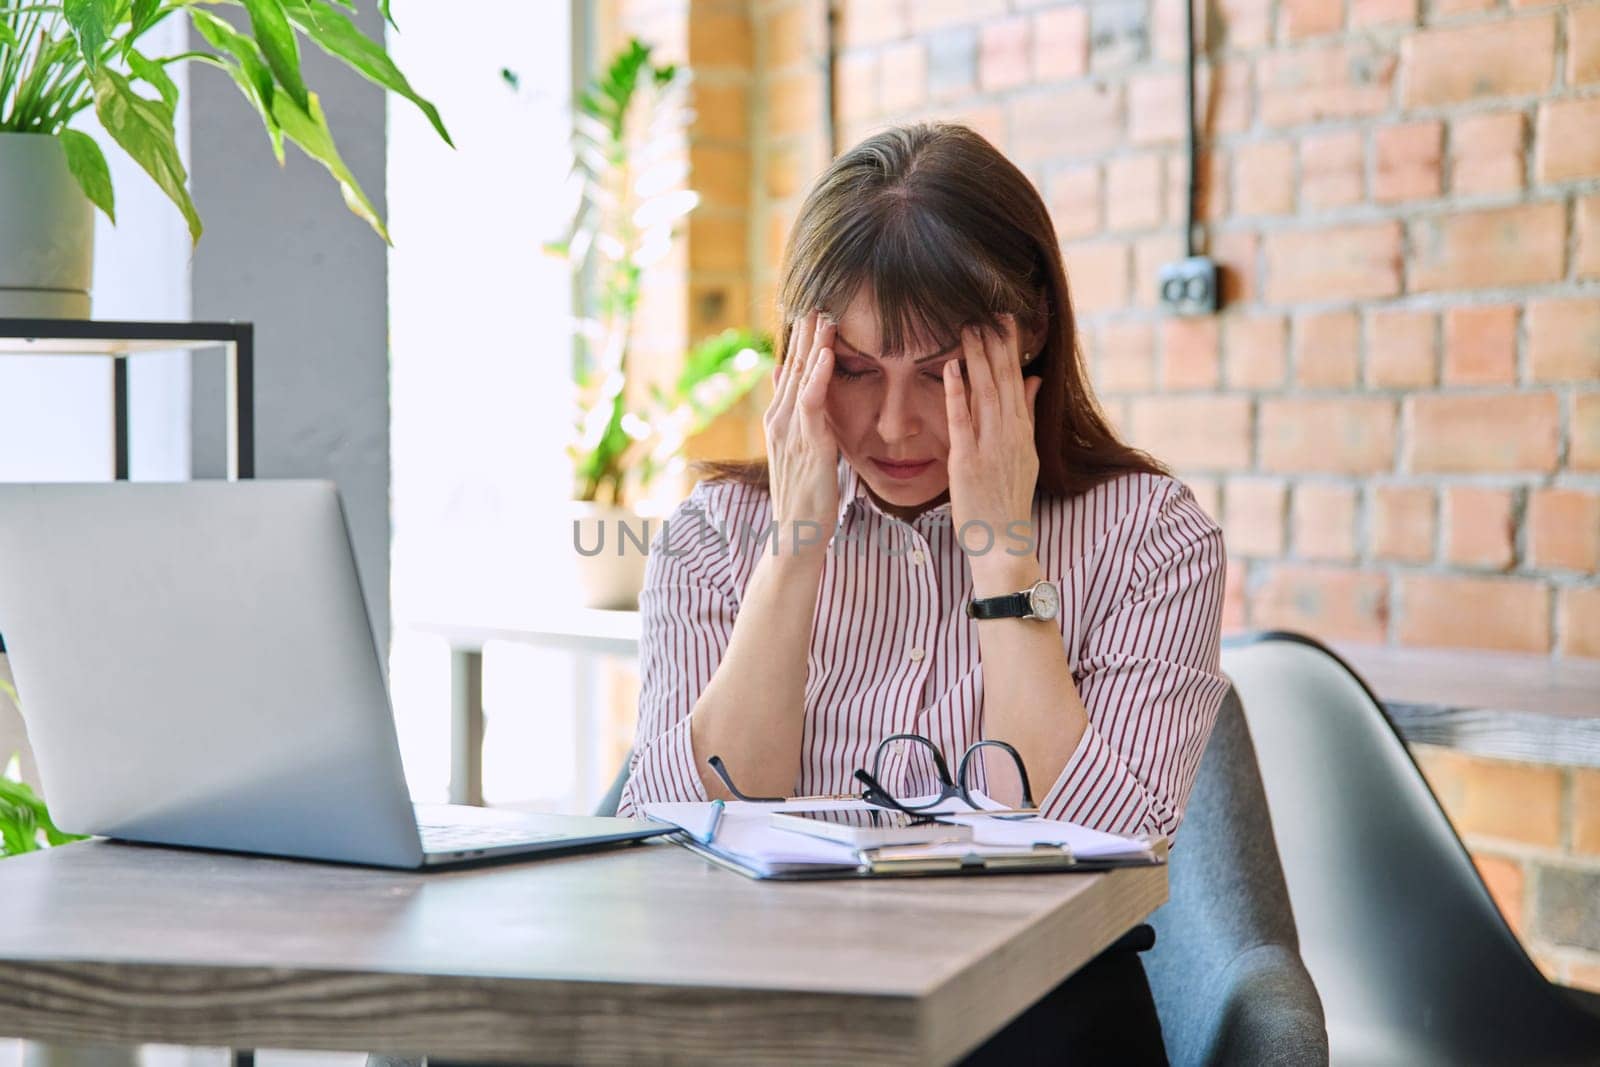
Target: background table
(650, 953)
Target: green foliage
(23, 817)
(59, 59)
(628, 158)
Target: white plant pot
(609, 563)
(46, 232)
(40, 1054)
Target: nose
(898, 417)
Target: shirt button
(916, 655)
(917, 556)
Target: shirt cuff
(663, 771)
(1096, 790)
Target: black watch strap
(1010, 606)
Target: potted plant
(62, 59)
(628, 164)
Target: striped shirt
(1140, 567)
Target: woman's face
(888, 411)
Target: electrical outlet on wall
(1190, 286)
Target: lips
(902, 469)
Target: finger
(956, 412)
(814, 395)
(985, 402)
(794, 365)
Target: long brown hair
(947, 232)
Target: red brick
(1356, 262)
(1564, 529)
(935, 14)
(1507, 57)
(1060, 43)
(1400, 349)
(1332, 169)
(1586, 813)
(1583, 44)
(1244, 23)
(794, 102)
(1097, 273)
(1480, 345)
(1486, 154)
(1235, 603)
(1580, 622)
(1326, 602)
(1324, 522)
(1569, 140)
(1480, 528)
(794, 34)
(1133, 192)
(1076, 122)
(1310, 85)
(905, 76)
(1475, 434)
(1585, 432)
(1263, 178)
(1505, 614)
(1588, 225)
(1211, 198)
(1310, 18)
(1564, 340)
(1189, 356)
(1228, 106)
(1402, 523)
(1383, 13)
(1253, 516)
(1207, 493)
(1166, 28)
(1194, 432)
(1444, 8)
(1155, 108)
(986, 120)
(1408, 161)
(1003, 54)
(1254, 349)
(1075, 201)
(1327, 349)
(1503, 877)
(857, 82)
(871, 21)
(1127, 360)
(1345, 435)
(1488, 249)
(1506, 799)
(1236, 252)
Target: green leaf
(8, 36)
(383, 9)
(88, 165)
(144, 130)
(341, 38)
(273, 33)
(143, 16)
(250, 73)
(309, 129)
(155, 74)
(88, 21)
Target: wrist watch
(1041, 600)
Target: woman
(933, 449)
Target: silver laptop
(196, 667)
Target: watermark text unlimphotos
(694, 531)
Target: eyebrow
(841, 338)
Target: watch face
(1046, 600)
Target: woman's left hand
(993, 464)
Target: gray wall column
(282, 250)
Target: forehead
(861, 329)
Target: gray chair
(1226, 971)
(1413, 960)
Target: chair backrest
(613, 797)
(1413, 960)
(1226, 970)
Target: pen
(716, 819)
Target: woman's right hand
(802, 451)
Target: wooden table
(649, 953)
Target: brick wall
(1397, 415)
(1534, 833)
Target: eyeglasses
(902, 748)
